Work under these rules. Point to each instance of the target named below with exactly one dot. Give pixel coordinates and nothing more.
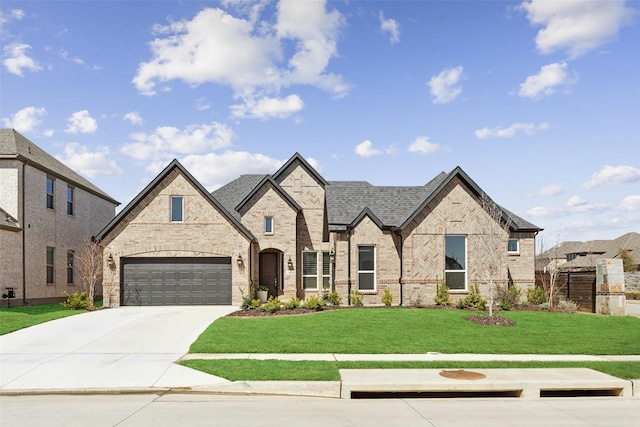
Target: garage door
(176, 281)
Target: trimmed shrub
(292, 304)
(536, 295)
(508, 296)
(272, 305)
(334, 298)
(473, 300)
(76, 301)
(387, 298)
(356, 298)
(566, 306)
(442, 294)
(313, 303)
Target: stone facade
(24, 250)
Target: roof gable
(297, 158)
(267, 180)
(15, 146)
(175, 164)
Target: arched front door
(271, 267)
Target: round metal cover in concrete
(461, 374)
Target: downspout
(24, 240)
(348, 266)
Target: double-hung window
(49, 193)
(366, 268)
(177, 209)
(50, 265)
(70, 201)
(455, 264)
(309, 270)
(70, 267)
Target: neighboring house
(297, 234)
(46, 211)
(582, 256)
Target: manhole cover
(461, 374)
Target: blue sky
(538, 101)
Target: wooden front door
(270, 268)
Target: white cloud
(90, 163)
(562, 211)
(510, 132)
(246, 55)
(81, 122)
(17, 14)
(168, 142)
(630, 204)
(613, 175)
(390, 26)
(16, 59)
(545, 82)
(551, 190)
(422, 144)
(202, 104)
(266, 108)
(133, 118)
(576, 26)
(214, 170)
(25, 120)
(444, 87)
(576, 201)
(365, 149)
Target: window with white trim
(455, 262)
(268, 225)
(513, 246)
(309, 270)
(50, 265)
(366, 268)
(49, 193)
(326, 270)
(177, 209)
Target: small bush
(508, 296)
(356, 298)
(272, 305)
(247, 300)
(292, 304)
(314, 303)
(473, 300)
(387, 298)
(416, 300)
(544, 306)
(76, 301)
(334, 298)
(536, 295)
(566, 306)
(442, 294)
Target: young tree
(550, 270)
(628, 263)
(492, 230)
(89, 267)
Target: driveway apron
(123, 348)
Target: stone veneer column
(610, 298)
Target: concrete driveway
(119, 348)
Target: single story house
(297, 234)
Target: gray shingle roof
(235, 192)
(15, 146)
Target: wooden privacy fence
(578, 286)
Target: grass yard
(282, 370)
(15, 318)
(404, 330)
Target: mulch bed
(495, 320)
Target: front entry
(271, 272)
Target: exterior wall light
(239, 260)
(290, 264)
(110, 259)
(332, 256)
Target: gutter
(24, 239)
(400, 279)
(349, 230)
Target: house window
(571, 257)
(70, 267)
(309, 270)
(268, 225)
(50, 259)
(366, 268)
(69, 200)
(455, 264)
(513, 247)
(326, 271)
(49, 193)
(176, 209)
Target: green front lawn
(15, 318)
(283, 370)
(403, 330)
